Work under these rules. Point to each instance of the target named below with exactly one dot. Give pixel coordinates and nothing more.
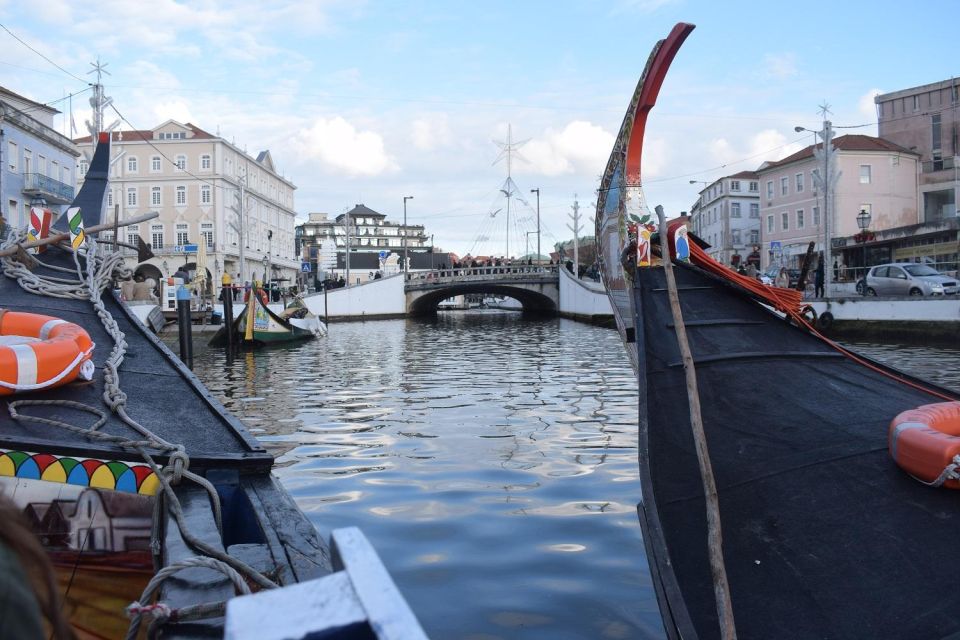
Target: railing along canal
(474, 274)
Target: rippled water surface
(491, 460)
(935, 362)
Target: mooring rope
(100, 272)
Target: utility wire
(18, 39)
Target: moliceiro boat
(257, 324)
(790, 488)
(154, 514)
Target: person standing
(818, 279)
(783, 279)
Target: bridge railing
(466, 274)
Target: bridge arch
(533, 301)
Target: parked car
(908, 278)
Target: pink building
(875, 175)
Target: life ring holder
(924, 443)
(59, 353)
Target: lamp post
(824, 182)
(863, 221)
(537, 191)
(405, 265)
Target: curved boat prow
(622, 211)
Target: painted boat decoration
(125, 488)
(823, 534)
(256, 324)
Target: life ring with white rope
(924, 443)
(41, 352)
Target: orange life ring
(61, 354)
(924, 442)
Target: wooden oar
(66, 236)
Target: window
(155, 164)
(754, 210)
(734, 185)
(110, 198)
(784, 185)
(205, 194)
(175, 135)
(755, 236)
(181, 195)
(132, 164)
(734, 209)
(770, 188)
(83, 168)
(735, 236)
(770, 224)
(181, 162)
(816, 216)
(864, 174)
(154, 196)
(785, 221)
(13, 154)
(156, 236)
(954, 97)
(799, 183)
(799, 218)
(131, 196)
(205, 162)
(754, 186)
(206, 233)
(182, 233)
(935, 131)
(916, 103)
(133, 234)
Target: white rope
(950, 472)
(100, 273)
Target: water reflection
(468, 447)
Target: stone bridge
(536, 287)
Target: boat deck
(823, 535)
(163, 395)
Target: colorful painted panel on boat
(84, 472)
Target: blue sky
(371, 101)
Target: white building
(194, 180)
(727, 216)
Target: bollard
(184, 325)
(226, 295)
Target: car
(908, 278)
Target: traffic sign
(383, 255)
(185, 248)
(305, 267)
(775, 245)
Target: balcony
(37, 185)
(932, 166)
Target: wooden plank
(387, 612)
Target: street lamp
(537, 191)
(826, 135)
(863, 221)
(405, 231)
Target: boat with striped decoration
(773, 510)
(173, 503)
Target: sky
(368, 102)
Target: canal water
(491, 459)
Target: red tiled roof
(849, 142)
(147, 134)
(745, 175)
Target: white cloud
(780, 65)
(172, 110)
(580, 148)
(768, 144)
(338, 145)
(431, 132)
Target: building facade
(875, 175)
(727, 216)
(926, 119)
(370, 233)
(37, 164)
(205, 190)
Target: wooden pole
(721, 588)
(66, 236)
